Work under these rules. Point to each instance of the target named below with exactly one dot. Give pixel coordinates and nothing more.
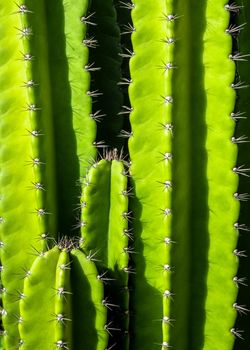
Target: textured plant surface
(124, 174)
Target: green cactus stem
(151, 99)
(55, 278)
(205, 151)
(43, 80)
(105, 232)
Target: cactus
(124, 174)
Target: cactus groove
(124, 174)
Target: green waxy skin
(37, 309)
(209, 209)
(151, 99)
(243, 128)
(89, 315)
(104, 218)
(79, 79)
(62, 313)
(66, 304)
(105, 231)
(222, 184)
(21, 221)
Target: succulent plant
(124, 174)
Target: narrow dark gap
(241, 46)
(105, 54)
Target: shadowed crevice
(190, 191)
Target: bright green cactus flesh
(124, 174)
(69, 274)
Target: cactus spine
(132, 246)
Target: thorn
(61, 344)
(60, 318)
(108, 305)
(99, 144)
(21, 295)
(128, 233)
(240, 253)
(240, 170)
(61, 292)
(233, 7)
(25, 32)
(126, 5)
(167, 294)
(35, 133)
(40, 254)
(97, 116)
(37, 186)
(239, 57)
(167, 184)
(244, 197)
(167, 66)
(167, 127)
(241, 280)
(108, 328)
(237, 333)
(125, 134)
(91, 256)
(91, 67)
(167, 99)
(22, 9)
(103, 278)
(125, 110)
(20, 343)
(171, 17)
(242, 227)
(94, 93)
(167, 156)
(168, 240)
(27, 57)
(79, 224)
(241, 309)
(166, 211)
(91, 43)
(129, 250)
(127, 215)
(125, 81)
(238, 115)
(129, 270)
(41, 212)
(234, 29)
(239, 85)
(111, 347)
(34, 161)
(168, 41)
(32, 107)
(87, 19)
(65, 266)
(30, 84)
(128, 193)
(240, 139)
(128, 29)
(167, 267)
(168, 320)
(127, 54)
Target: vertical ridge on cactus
(54, 297)
(222, 265)
(124, 174)
(23, 172)
(151, 99)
